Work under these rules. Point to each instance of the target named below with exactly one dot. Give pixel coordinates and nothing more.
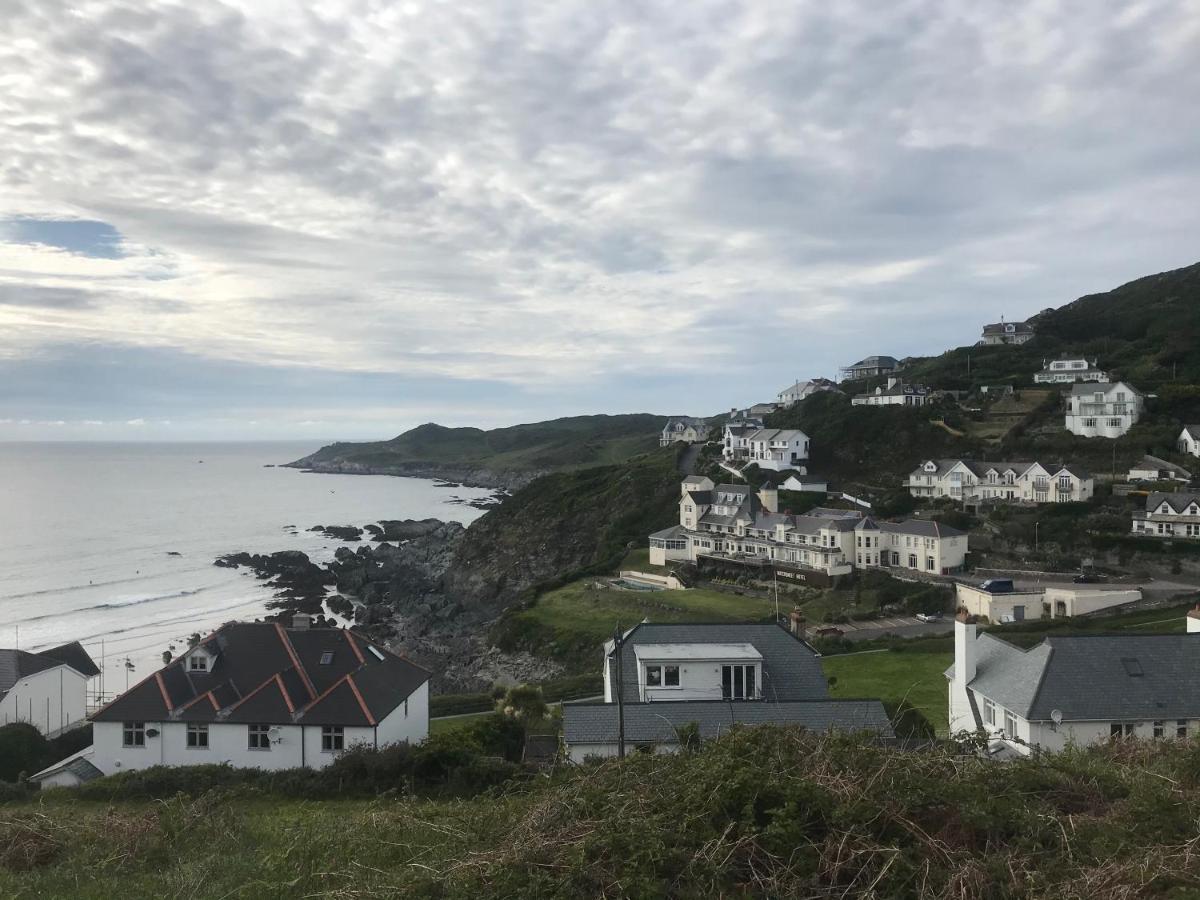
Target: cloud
(602, 204)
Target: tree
(23, 751)
(523, 702)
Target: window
(327, 658)
(258, 737)
(1181, 728)
(333, 738)
(198, 662)
(1160, 729)
(929, 564)
(1114, 423)
(989, 712)
(671, 676)
(197, 736)
(737, 682)
(653, 676)
(1121, 729)
(1010, 725)
(133, 734)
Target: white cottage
(1169, 515)
(1189, 440)
(258, 695)
(47, 689)
(970, 480)
(1073, 689)
(1067, 370)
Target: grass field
(890, 676)
(454, 723)
(572, 622)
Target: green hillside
(767, 812)
(535, 448)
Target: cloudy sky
(341, 218)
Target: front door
(1018, 614)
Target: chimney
(964, 647)
(301, 621)
(1193, 619)
(797, 622)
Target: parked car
(929, 617)
(829, 631)
(998, 586)
(1089, 578)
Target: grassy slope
(541, 446)
(766, 812)
(915, 677)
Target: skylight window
(327, 658)
(1133, 668)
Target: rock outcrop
(299, 583)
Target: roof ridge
(359, 697)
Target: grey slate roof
(1154, 462)
(596, 723)
(791, 670)
(1116, 677)
(1002, 328)
(1089, 389)
(1177, 500)
(78, 764)
(264, 673)
(668, 533)
(980, 468)
(875, 362)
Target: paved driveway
(904, 626)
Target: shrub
(23, 751)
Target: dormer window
(198, 662)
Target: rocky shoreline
(394, 586)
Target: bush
(23, 751)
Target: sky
(343, 218)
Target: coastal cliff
(502, 458)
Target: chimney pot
(797, 622)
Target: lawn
(453, 723)
(894, 676)
(638, 560)
(572, 622)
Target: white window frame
(258, 737)
(333, 738)
(133, 734)
(197, 736)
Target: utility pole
(1035, 537)
(619, 691)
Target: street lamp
(1035, 537)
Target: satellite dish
(1056, 716)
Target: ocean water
(88, 533)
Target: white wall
(407, 723)
(1080, 601)
(698, 680)
(53, 700)
(579, 753)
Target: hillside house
(1006, 333)
(733, 524)
(974, 481)
(258, 695)
(715, 675)
(1169, 515)
(1189, 440)
(1151, 468)
(870, 367)
(47, 689)
(683, 429)
(777, 449)
(921, 545)
(1067, 370)
(1073, 689)
(801, 389)
(1103, 410)
(897, 393)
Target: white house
(971, 480)
(921, 545)
(777, 449)
(1151, 468)
(685, 429)
(1006, 333)
(1073, 689)
(714, 675)
(897, 393)
(258, 695)
(870, 367)
(1103, 410)
(1049, 602)
(1189, 440)
(1067, 370)
(1173, 515)
(731, 523)
(801, 389)
(47, 689)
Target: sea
(112, 544)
